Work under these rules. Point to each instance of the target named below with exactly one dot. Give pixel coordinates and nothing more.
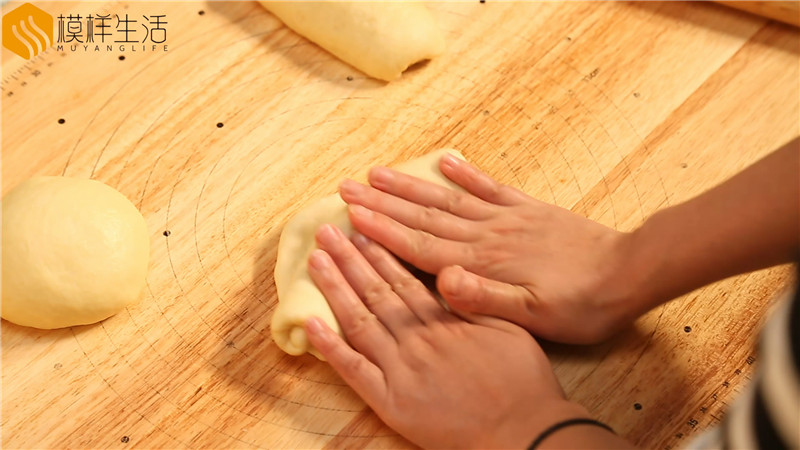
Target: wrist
(579, 433)
(545, 427)
(624, 290)
(640, 263)
(519, 432)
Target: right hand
(499, 252)
(439, 380)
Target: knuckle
(427, 216)
(353, 364)
(376, 292)
(421, 244)
(456, 201)
(361, 325)
(485, 260)
(491, 187)
(407, 282)
(530, 306)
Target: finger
(359, 372)
(425, 193)
(466, 292)
(435, 221)
(367, 335)
(374, 291)
(410, 289)
(478, 183)
(417, 247)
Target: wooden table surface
(613, 110)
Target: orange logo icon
(27, 31)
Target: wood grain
(613, 110)
(784, 11)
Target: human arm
(440, 380)
(748, 222)
(499, 252)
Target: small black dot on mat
(684, 165)
(61, 121)
(122, 57)
(687, 328)
(637, 406)
(167, 232)
(220, 124)
(637, 95)
(57, 366)
(125, 439)
(201, 12)
(349, 78)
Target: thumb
(468, 292)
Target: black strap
(563, 424)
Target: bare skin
(563, 277)
(507, 263)
(440, 380)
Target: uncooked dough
(379, 38)
(74, 252)
(298, 296)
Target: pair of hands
(506, 264)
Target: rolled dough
(298, 296)
(379, 38)
(74, 252)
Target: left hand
(440, 380)
(499, 252)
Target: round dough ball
(74, 252)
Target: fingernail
(360, 241)
(461, 285)
(313, 325)
(325, 233)
(328, 234)
(451, 283)
(350, 187)
(380, 176)
(450, 160)
(319, 259)
(360, 211)
(468, 284)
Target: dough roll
(378, 38)
(298, 296)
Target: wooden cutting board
(613, 110)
